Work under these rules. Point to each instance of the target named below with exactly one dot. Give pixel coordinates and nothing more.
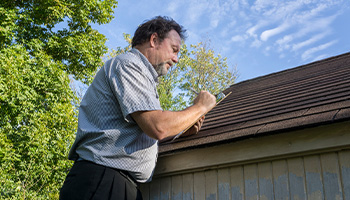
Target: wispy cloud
(306, 33)
(308, 53)
(173, 8)
(195, 10)
(238, 38)
(273, 26)
(310, 41)
(252, 30)
(285, 26)
(269, 33)
(320, 57)
(286, 13)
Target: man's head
(162, 37)
(160, 25)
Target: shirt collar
(146, 63)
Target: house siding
(312, 163)
(318, 176)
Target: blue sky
(258, 37)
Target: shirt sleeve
(134, 89)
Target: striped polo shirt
(107, 134)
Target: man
(120, 118)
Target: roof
(306, 96)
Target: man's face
(167, 52)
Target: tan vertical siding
(331, 176)
(155, 189)
(265, 181)
(280, 179)
(237, 183)
(344, 160)
(187, 186)
(250, 173)
(211, 184)
(176, 186)
(199, 185)
(313, 174)
(318, 176)
(165, 188)
(224, 184)
(296, 177)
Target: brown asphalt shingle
(309, 95)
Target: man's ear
(154, 40)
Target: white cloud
(194, 11)
(308, 53)
(269, 33)
(251, 31)
(234, 5)
(283, 43)
(173, 8)
(314, 30)
(256, 43)
(260, 5)
(227, 29)
(299, 17)
(320, 57)
(310, 41)
(214, 23)
(113, 34)
(215, 16)
(193, 37)
(238, 38)
(282, 26)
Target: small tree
(202, 70)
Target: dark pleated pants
(87, 180)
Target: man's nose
(175, 59)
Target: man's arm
(161, 124)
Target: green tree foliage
(34, 23)
(37, 113)
(203, 70)
(37, 123)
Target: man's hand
(205, 99)
(195, 128)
